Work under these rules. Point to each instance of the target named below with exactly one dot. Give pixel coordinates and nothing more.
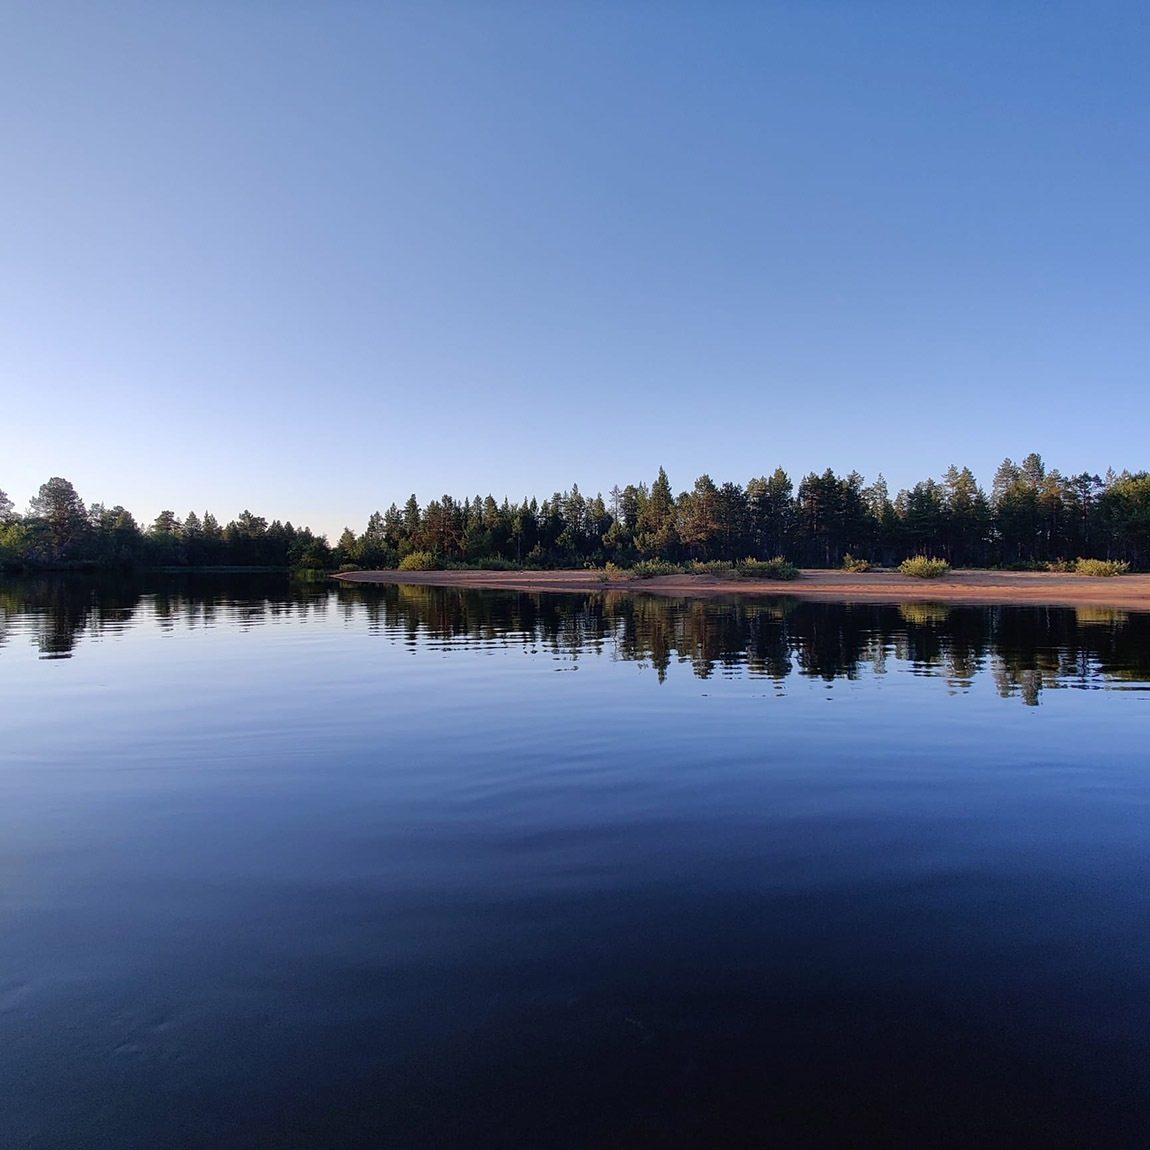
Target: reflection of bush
(1100, 617)
(416, 597)
(924, 614)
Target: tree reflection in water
(1027, 650)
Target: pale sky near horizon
(308, 258)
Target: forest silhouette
(1032, 516)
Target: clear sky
(308, 258)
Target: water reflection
(57, 613)
(262, 871)
(1026, 650)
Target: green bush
(718, 567)
(855, 566)
(924, 567)
(418, 561)
(1101, 567)
(777, 568)
(1061, 567)
(649, 568)
(344, 567)
(490, 563)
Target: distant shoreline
(1127, 592)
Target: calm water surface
(400, 867)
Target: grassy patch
(649, 568)
(490, 563)
(777, 568)
(720, 568)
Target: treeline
(1032, 516)
(58, 530)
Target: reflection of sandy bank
(1125, 592)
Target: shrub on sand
(649, 568)
(418, 561)
(777, 568)
(612, 572)
(1101, 567)
(924, 567)
(717, 567)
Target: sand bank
(1128, 592)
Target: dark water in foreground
(398, 867)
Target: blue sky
(308, 258)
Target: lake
(299, 865)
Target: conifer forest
(1032, 516)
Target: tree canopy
(1033, 515)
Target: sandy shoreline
(1128, 592)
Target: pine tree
(63, 519)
